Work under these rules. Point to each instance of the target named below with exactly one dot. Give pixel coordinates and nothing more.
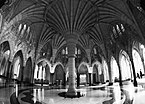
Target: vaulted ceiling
(50, 21)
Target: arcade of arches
(69, 44)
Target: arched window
(79, 51)
(0, 21)
(95, 51)
(66, 50)
(28, 30)
(20, 27)
(76, 50)
(24, 29)
(122, 28)
(63, 51)
(118, 29)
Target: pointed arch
(59, 74)
(125, 65)
(47, 73)
(55, 65)
(47, 62)
(83, 64)
(28, 71)
(83, 73)
(97, 71)
(137, 61)
(4, 58)
(105, 71)
(114, 70)
(17, 66)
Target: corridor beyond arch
(82, 75)
(59, 75)
(105, 71)
(137, 62)
(97, 73)
(4, 58)
(17, 68)
(114, 70)
(125, 65)
(27, 72)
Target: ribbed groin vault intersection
(72, 52)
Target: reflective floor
(100, 94)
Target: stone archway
(114, 70)
(96, 78)
(17, 67)
(125, 65)
(27, 72)
(59, 75)
(83, 74)
(3, 62)
(138, 64)
(105, 71)
(97, 73)
(4, 59)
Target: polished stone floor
(99, 94)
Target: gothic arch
(106, 71)
(82, 73)
(4, 58)
(28, 71)
(114, 70)
(97, 71)
(59, 74)
(85, 64)
(125, 65)
(45, 60)
(17, 66)
(56, 64)
(137, 61)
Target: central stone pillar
(134, 72)
(71, 68)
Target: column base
(135, 83)
(71, 93)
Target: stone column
(88, 51)
(98, 76)
(8, 73)
(64, 83)
(42, 76)
(54, 55)
(142, 59)
(134, 73)
(110, 73)
(38, 71)
(22, 76)
(32, 73)
(51, 78)
(90, 79)
(120, 76)
(78, 79)
(9, 69)
(71, 68)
